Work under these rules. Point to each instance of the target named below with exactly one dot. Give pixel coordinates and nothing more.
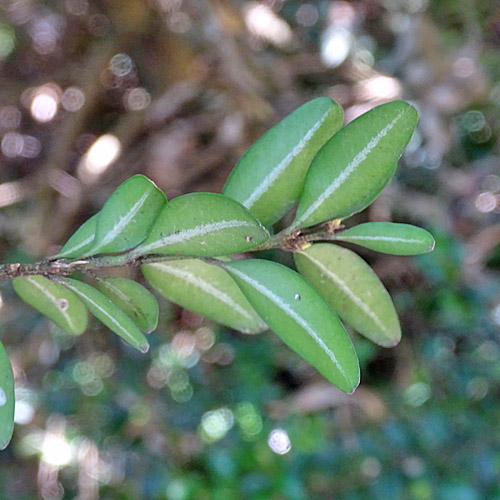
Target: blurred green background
(94, 92)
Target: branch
(52, 267)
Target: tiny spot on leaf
(62, 304)
(3, 397)
(248, 239)
(297, 296)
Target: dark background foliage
(94, 92)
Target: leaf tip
(144, 348)
(5, 443)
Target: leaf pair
(124, 221)
(333, 172)
(124, 306)
(232, 291)
(137, 216)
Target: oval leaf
(204, 289)
(391, 238)
(106, 311)
(353, 167)
(204, 225)
(137, 302)
(7, 399)
(298, 314)
(269, 178)
(63, 307)
(128, 216)
(81, 241)
(354, 291)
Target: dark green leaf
(298, 314)
(106, 311)
(128, 216)
(353, 167)
(269, 178)
(354, 291)
(81, 241)
(387, 237)
(62, 306)
(205, 289)
(136, 301)
(7, 399)
(203, 224)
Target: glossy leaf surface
(128, 216)
(205, 289)
(133, 299)
(203, 224)
(62, 306)
(353, 167)
(7, 399)
(81, 241)
(298, 314)
(391, 238)
(353, 290)
(106, 311)
(269, 178)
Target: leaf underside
(390, 238)
(204, 289)
(136, 301)
(56, 302)
(269, 178)
(203, 225)
(298, 314)
(106, 311)
(7, 399)
(352, 289)
(353, 167)
(128, 216)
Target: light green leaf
(298, 314)
(137, 302)
(354, 291)
(81, 241)
(7, 399)
(128, 216)
(269, 178)
(203, 225)
(204, 289)
(353, 167)
(63, 307)
(391, 238)
(106, 311)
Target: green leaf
(353, 167)
(106, 311)
(137, 302)
(269, 178)
(205, 289)
(81, 241)
(128, 216)
(63, 307)
(204, 225)
(298, 314)
(7, 399)
(387, 237)
(354, 291)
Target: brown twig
(53, 266)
